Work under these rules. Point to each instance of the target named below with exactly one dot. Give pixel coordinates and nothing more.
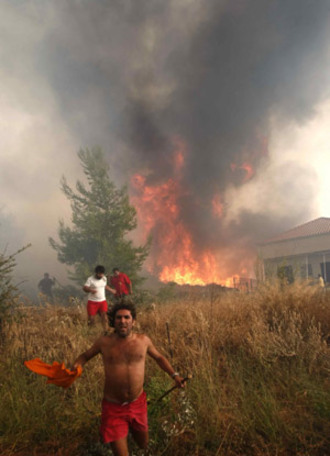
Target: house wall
(305, 257)
(303, 266)
(296, 247)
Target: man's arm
(112, 290)
(164, 364)
(89, 289)
(88, 354)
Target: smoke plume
(211, 84)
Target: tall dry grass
(260, 364)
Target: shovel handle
(173, 388)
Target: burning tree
(101, 218)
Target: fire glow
(174, 257)
(246, 167)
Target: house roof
(313, 228)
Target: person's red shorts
(94, 307)
(118, 418)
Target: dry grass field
(260, 364)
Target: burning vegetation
(176, 255)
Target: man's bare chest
(130, 353)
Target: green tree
(101, 218)
(8, 291)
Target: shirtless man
(124, 405)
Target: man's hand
(89, 289)
(112, 290)
(73, 366)
(180, 381)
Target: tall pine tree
(101, 218)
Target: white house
(300, 253)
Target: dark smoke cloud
(131, 75)
(241, 66)
(229, 72)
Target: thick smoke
(132, 75)
(242, 66)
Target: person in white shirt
(95, 286)
(321, 282)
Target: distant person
(124, 404)
(122, 284)
(45, 286)
(95, 286)
(321, 283)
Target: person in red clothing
(121, 283)
(124, 404)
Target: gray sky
(242, 85)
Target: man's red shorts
(94, 307)
(118, 418)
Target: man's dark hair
(100, 269)
(127, 305)
(115, 269)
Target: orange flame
(246, 167)
(217, 206)
(179, 153)
(249, 171)
(174, 255)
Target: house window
(303, 271)
(325, 271)
(285, 274)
